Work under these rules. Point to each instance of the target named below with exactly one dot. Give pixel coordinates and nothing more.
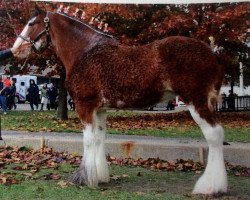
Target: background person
(44, 96)
(6, 81)
(53, 93)
(33, 94)
(3, 91)
(12, 95)
(71, 102)
(231, 100)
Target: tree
(62, 107)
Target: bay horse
(102, 74)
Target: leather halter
(45, 31)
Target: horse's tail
(214, 96)
(221, 70)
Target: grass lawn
(126, 183)
(178, 125)
(232, 135)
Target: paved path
(26, 106)
(132, 146)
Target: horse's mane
(87, 25)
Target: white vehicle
(22, 85)
(179, 102)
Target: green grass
(125, 185)
(46, 122)
(37, 121)
(231, 134)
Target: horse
(102, 74)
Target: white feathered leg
(94, 167)
(87, 172)
(89, 155)
(214, 179)
(101, 162)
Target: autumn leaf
(51, 176)
(125, 176)
(62, 184)
(4, 179)
(115, 177)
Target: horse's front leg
(93, 168)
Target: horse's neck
(71, 39)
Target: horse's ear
(38, 9)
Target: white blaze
(19, 41)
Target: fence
(238, 103)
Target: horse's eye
(31, 23)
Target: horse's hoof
(77, 178)
(208, 186)
(80, 177)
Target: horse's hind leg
(100, 131)
(214, 179)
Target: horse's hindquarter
(192, 67)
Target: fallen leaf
(14, 181)
(114, 177)
(28, 174)
(4, 179)
(62, 184)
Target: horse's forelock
(35, 13)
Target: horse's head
(32, 36)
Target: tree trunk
(62, 112)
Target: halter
(45, 31)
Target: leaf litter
(28, 162)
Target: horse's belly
(131, 100)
